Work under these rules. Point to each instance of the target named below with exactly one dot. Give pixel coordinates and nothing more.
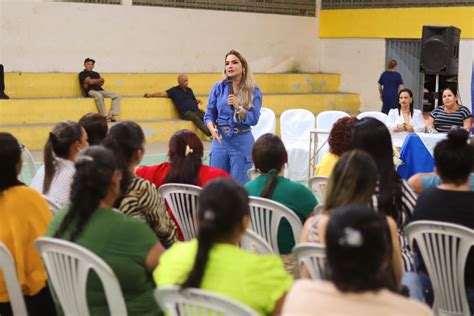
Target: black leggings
(40, 304)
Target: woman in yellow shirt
(215, 263)
(24, 216)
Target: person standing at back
(390, 83)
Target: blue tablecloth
(415, 156)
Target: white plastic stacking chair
(295, 126)
(324, 122)
(68, 266)
(382, 117)
(265, 217)
(318, 186)
(197, 302)
(182, 200)
(53, 206)
(252, 173)
(7, 267)
(444, 248)
(28, 158)
(252, 242)
(266, 123)
(311, 256)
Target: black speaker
(440, 50)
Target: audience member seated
(91, 83)
(422, 181)
(215, 263)
(339, 142)
(185, 102)
(404, 119)
(395, 197)
(24, 216)
(357, 251)
(140, 198)
(126, 244)
(95, 126)
(353, 180)
(452, 201)
(54, 178)
(269, 156)
(450, 114)
(185, 152)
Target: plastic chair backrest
(182, 200)
(313, 257)
(382, 117)
(252, 242)
(53, 206)
(252, 173)
(68, 266)
(28, 158)
(318, 185)
(295, 126)
(196, 302)
(326, 119)
(444, 248)
(8, 269)
(265, 217)
(266, 123)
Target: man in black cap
(2, 84)
(92, 83)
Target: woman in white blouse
(404, 119)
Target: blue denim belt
(235, 130)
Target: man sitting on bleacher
(91, 83)
(185, 102)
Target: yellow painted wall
(393, 22)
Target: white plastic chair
(252, 242)
(7, 267)
(182, 200)
(252, 173)
(295, 126)
(324, 122)
(382, 117)
(68, 266)
(196, 302)
(318, 185)
(444, 248)
(53, 206)
(266, 123)
(28, 159)
(311, 256)
(265, 217)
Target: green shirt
(123, 243)
(293, 195)
(254, 280)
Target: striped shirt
(143, 200)
(444, 121)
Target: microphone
(230, 87)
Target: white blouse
(395, 118)
(61, 184)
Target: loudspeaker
(440, 50)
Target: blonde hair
(392, 63)
(247, 85)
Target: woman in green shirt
(269, 156)
(214, 263)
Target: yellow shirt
(24, 216)
(325, 166)
(254, 280)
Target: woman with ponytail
(126, 244)
(269, 155)
(61, 149)
(214, 263)
(139, 198)
(24, 216)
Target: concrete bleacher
(39, 100)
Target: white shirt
(395, 118)
(61, 184)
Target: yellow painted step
(47, 85)
(30, 111)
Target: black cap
(89, 59)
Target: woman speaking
(233, 107)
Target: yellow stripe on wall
(394, 22)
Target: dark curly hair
(340, 136)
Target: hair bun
(458, 137)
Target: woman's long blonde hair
(247, 85)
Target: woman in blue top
(390, 83)
(233, 107)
